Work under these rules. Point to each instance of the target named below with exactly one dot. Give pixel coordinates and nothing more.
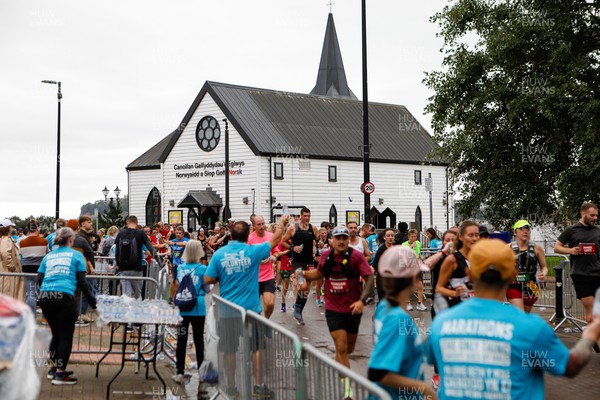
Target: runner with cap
(342, 267)
(524, 291)
(396, 362)
(485, 349)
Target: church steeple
(331, 79)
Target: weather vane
(330, 4)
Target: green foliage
(113, 215)
(517, 106)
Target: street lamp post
(59, 96)
(117, 193)
(365, 109)
(105, 192)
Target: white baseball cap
(5, 223)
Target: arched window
(333, 217)
(153, 207)
(419, 218)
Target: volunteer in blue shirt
(235, 267)
(508, 349)
(434, 240)
(59, 274)
(191, 257)
(396, 362)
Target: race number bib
(588, 249)
(338, 285)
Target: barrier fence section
(263, 359)
(568, 307)
(89, 338)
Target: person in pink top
(266, 276)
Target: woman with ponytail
(453, 280)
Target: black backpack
(186, 296)
(128, 254)
(347, 270)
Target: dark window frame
(418, 177)
(275, 175)
(334, 169)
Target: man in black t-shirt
(583, 241)
(132, 288)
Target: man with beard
(583, 240)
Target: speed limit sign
(368, 188)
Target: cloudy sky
(131, 69)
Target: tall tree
(113, 215)
(517, 106)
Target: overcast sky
(131, 69)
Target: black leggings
(182, 336)
(60, 309)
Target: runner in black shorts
(583, 241)
(342, 267)
(303, 236)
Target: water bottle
(284, 210)
(596, 309)
(465, 293)
(440, 304)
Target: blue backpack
(186, 297)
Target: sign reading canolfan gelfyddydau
(207, 169)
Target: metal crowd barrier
(91, 339)
(254, 351)
(568, 307)
(233, 355)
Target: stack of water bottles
(127, 309)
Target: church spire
(331, 79)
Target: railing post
(559, 271)
(301, 365)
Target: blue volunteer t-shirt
(373, 246)
(435, 244)
(50, 239)
(197, 271)
(398, 347)
(486, 349)
(236, 267)
(59, 268)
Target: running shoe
(63, 379)
(262, 392)
(52, 373)
(319, 304)
(435, 382)
(409, 307)
(232, 393)
(298, 315)
(283, 307)
(421, 307)
(179, 378)
(81, 323)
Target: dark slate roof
(275, 123)
(331, 79)
(198, 198)
(151, 158)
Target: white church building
(291, 149)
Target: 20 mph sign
(368, 188)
